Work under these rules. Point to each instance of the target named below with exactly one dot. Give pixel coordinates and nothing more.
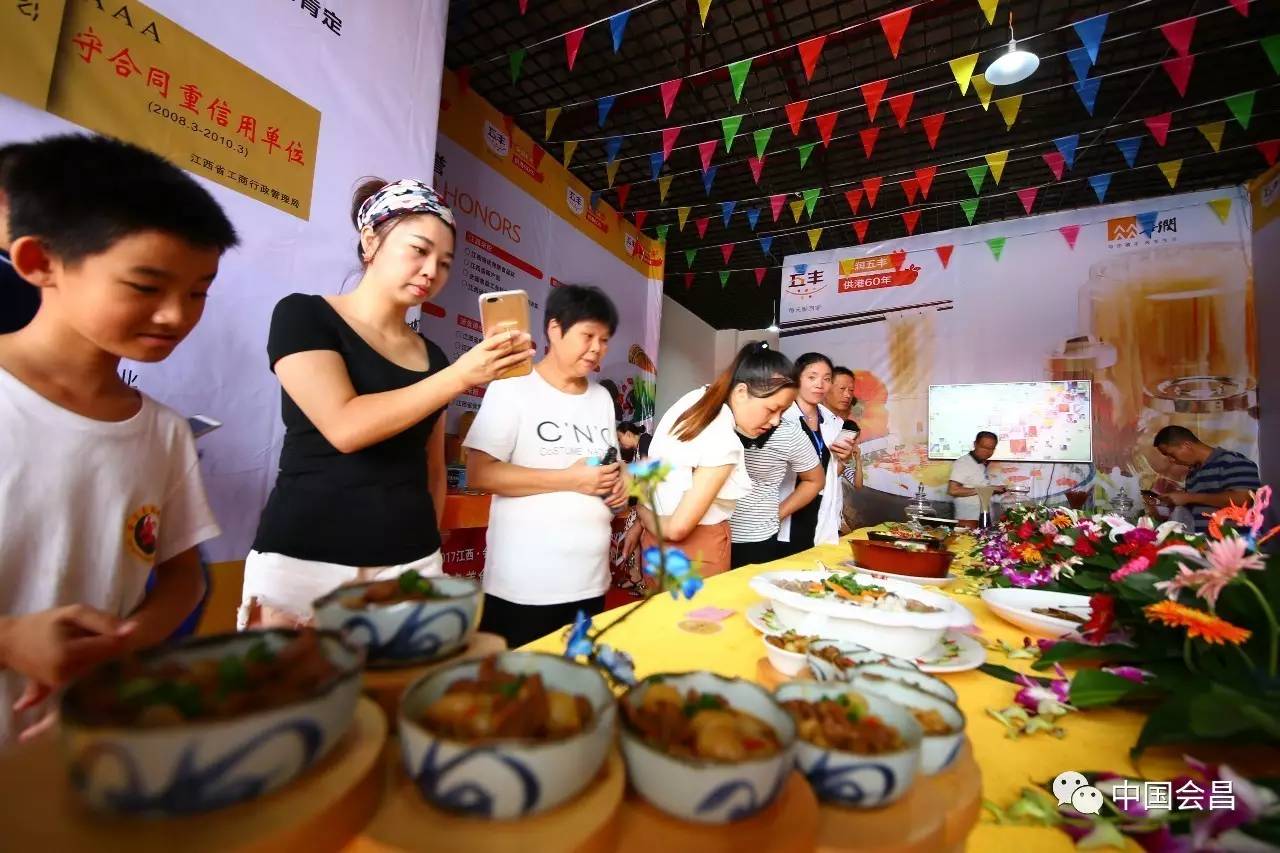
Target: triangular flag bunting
(982, 89)
(1066, 146)
(759, 276)
(1241, 6)
(1241, 107)
(1271, 47)
(944, 254)
(805, 150)
(901, 106)
(1159, 127)
(871, 186)
(524, 6)
(869, 136)
(1100, 183)
(996, 245)
(669, 137)
(826, 125)
(797, 208)
(854, 198)
(624, 190)
(762, 140)
(640, 217)
(894, 25)
(701, 224)
(860, 228)
(753, 217)
(977, 175)
(1212, 132)
(1170, 170)
(996, 161)
(655, 165)
(729, 125)
(726, 211)
(815, 234)
(1087, 89)
(1009, 109)
(795, 114)
(724, 276)
(726, 251)
(617, 26)
(1080, 61)
(1269, 150)
(662, 231)
(756, 164)
(872, 93)
(1070, 233)
(570, 146)
(595, 199)
(738, 75)
(682, 215)
(1090, 32)
(709, 178)
(1222, 207)
(1056, 163)
(910, 218)
(910, 188)
(962, 69)
(810, 50)
(688, 280)
(572, 41)
(703, 7)
(988, 8)
(552, 114)
(706, 150)
(515, 59)
(925, 177)
(612, 146)
(1147, 222)
(775, 204)
(1028, 198)
(970, 208)
(669, 90)
(1179, 71)
(603, 106)
(932, 124)
(1178, 33)
(766, 243)
(463, 75)
(810, 200)
(1129, 148)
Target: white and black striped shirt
(787, 453)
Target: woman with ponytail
(700, 438)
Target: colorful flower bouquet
(1181, 623)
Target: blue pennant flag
(617, 24)
(1147, 222)
(603, 106)
(655, 164)
(595, 198)
(1067, 148)
(1100, 184)
(753, 216)
(709, 178)
(1087, 89)
(766, 243)
(611, 147)
(726, 211)
(1129, 148)
(1090, 31)
(1080, 62)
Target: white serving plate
(761, 617)
(913, 579)
(1015, 607)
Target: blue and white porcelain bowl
(203, 765)
(511, 778)
(848, 778)
(408, 632)
(923, 680)
(702, 790)
(937, 752)
(825, 670)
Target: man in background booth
(967, 473)
(1216, 476)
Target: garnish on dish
(409, 586)
(1059, 613)
(498, 705)
(790, 641)
(699, 725)
(847, 589)
(843, 723)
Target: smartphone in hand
(507, 311)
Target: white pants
(288, 586)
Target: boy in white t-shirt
(100, 485)
(535, 445)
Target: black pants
(804, 526)
(519, 624)
(754, 553)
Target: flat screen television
(1035, 421)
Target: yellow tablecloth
(1096, 739)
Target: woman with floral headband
(362, 476)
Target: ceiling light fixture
(1013, 66)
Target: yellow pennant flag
(983, 89)
(703, 7)
(611, 170)
(682, 213)
(1222, 207)
(815, 234)
(664, 184)
(1213, 132)
(996, 161)
(1171, 168)
(962, 68)
(569, 147)
(1009, 109)
(989, 9)
(552, 115)
(797, 207)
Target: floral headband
(399, 198)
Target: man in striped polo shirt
(1216, 476)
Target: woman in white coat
(818, 523)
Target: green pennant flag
(805, 150)
(516, 58)
(689, 255)
(810, 199)
(762, 140)
(970, 206)
(662, 233)
(730, 125)
(738, 74)
(1241, 107)
(724, 277)
(977, 174)
(996, 245)
(1271, 44)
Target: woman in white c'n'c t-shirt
(698, 439)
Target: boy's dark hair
(841, 371)
(7, 155)
(986, 434)
(1173, 434)
(81, 193)
(813, 358)
(578, 303)
(631, 427)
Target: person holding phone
(361, 486)
(544, 445)
(841, 400)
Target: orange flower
(1062, 521)
(1237, 515)
(1199, 624)
(1031, 555)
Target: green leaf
(1065, 650)
(232, 674)
(1003, 673)
(259, 652)
(1090, 582)
(1168, 723)
(1091, 688)
(1104, 834)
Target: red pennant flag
(795, 114)
(869, 137)
(894, 25)
(757, 166)
(854, 197)
(1179, 71)
(910, 218)
(524, 6)
(707, 149)
(901, 106)
(1028, 198)
(688, 280)
(1056, 163)
(624, 190)
(509, 124)
(572, 41)
(1070, 233)
(826, 124)
(809, 52)
(669, 137)
(641, 216)
(759, 276)
(701, 222)
(860, 228)
(1242, 6)
(910, 186)
(538, 153)
(872, 93)
(944, 254)
(669, 90)
(1159, 126)
(1179, 34)
(726, 251)
(775, 204)
(464, 79)
(1269, 150)
(932, 125)
(871, 186)
(924, 175)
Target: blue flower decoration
(678, 565)
(652, 561)
(579, 644)
(617, 663)
(644, 469)
(691, 586)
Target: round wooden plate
(318, 811)
(384, 686)
(407, 822)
